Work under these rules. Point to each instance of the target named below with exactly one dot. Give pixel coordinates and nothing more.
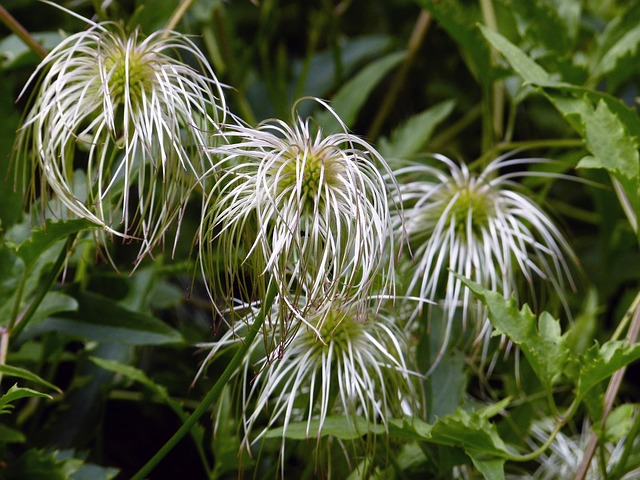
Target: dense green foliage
(98, 358)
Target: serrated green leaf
(599, 363)
(101, 319)
(612, 147)
(43, 238)
(472, 431)
(26, 375)
(550, 24)
(16, 393)
(542, 344)
(36, 465)
(351, 97)
(408, 138)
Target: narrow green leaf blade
(412, 135)
(101, 319)
(16, 393)
(12, 371)
(351, 97)
(521, 63)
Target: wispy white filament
(481, 226)
(358, 368)
(137, 120)
(309, 210)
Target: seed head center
(129, 76)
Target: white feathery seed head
(307, 209)
(131, 114)
(481, 226)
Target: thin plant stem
(497, 89)
(417, 36)
(4, 347)
(177, 15)
(22, 33)
(215, 391)
(609, 398)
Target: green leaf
(16, 393)
(11, 435)
(52, 303)
(44, 238)
(101, 319)
(472, 431)
(612, 147)
(459, 19)
(342, 427)
(524, 66)
(34, 465)
(618, 42)
(11, 270)
(599, 363)
(542, 344)
(626, 46)
(351, 97)
(27, 375)
(491, 469)
(408, 138)
(133, 374)
(620, 421)
(550, 24)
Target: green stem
(177, 15)
(417, 36)
(562, 421)
(22, 33)
(609, 397)
(215, 391)
(497, 89)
